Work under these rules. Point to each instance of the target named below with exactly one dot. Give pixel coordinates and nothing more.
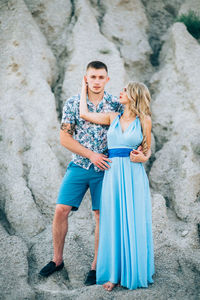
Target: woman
(125, 253)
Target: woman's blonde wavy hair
(140, 99)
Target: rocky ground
(45, 46)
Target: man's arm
(67, 141)
(93, 117)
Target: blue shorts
(75, 184)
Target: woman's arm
(98, 118)
(138, 155)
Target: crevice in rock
(173, 217)
(168, 202)
(198, 197)
(73, 17)
(179, 269)
(62, 59)
(60, 51)
(4, 3)
(159, 143)
(118, 43)
(171, 208)
(57, 87)
(26, 171)
(198, 230)
(149, 164)
(101, 10)
(31, 262)
(35, 201)
(196, 282)
(161, 15)
(5, 223)
(156, 46)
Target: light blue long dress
(125, 253)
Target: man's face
(96, 79)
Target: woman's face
(123, 98)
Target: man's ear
(108, 78)
(85, 78)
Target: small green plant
(192, 22)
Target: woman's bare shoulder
(113, 115)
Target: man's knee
(62, 210)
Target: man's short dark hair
(97, 65)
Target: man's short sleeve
(68, 114)
(118, 107)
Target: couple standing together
(110, 139)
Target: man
(88, 142)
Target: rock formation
(45, 46)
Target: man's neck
(95, 98)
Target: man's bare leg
(96, 243)
(60, 228)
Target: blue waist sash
(119, 152)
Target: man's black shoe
(50, 268)
(91, 278)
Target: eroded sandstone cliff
(45, 46)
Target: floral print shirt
(91, 136)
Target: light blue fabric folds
(125, 253)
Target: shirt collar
(106, 98)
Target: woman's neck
(128, 114)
